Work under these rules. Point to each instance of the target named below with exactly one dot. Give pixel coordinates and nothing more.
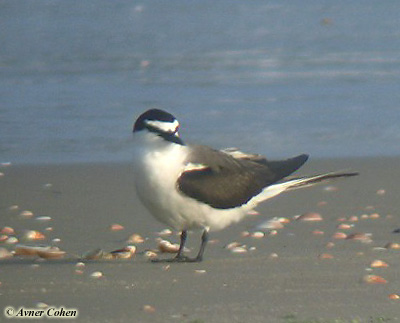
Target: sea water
(273, 77)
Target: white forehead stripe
(164, 126)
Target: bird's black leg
(180, 257)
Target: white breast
(157, 166)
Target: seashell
(165, 232)
(362, 237)
(325, 256)
(364, 216)
(369, 208)
(49, 229)
(26, 214)
(392, 245)
(135, 238)
(239, 249)
(318, 232)
(4, 253)
(257, 235)
(330, 245)
(150, 254)
(94, 254)
(271, 224)
(374, 216)
(13, 208)
(339, 235)
(43, 218)
(144, 63)
(374, 279)
(344, 226)
(253, 212)
(330, 188)
(381, 192)
(45, 252)
(34, 235)
(11, 240)
(322, 203)
(6, 164)
(353, 218)
(245, 234)
(273, 233)
(3, 237)
(80, 264)
(378, 264)
(394, 296)
(56, 240)
(284, 220)
(252, 248)
(7, 230)
(310, 217)
(273, 256)
(116, 227)
(166, 267)
(41, 305)
(232, 245)
(167, 247)
(149, 309)
(79, 271)
(200, 271)
(342, 219)
(96, 274)
(124, 253)
(1, 174)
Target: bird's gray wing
(223, 182)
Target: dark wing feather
(228, 182)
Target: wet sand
(298, 285)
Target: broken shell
(362, 237)
(135, 238)
(168, 247)
(325, 256)
(310, 217)
(149, 309)
(394, 296)
(339, 235)
(7, 230)
(392, 245)
(4, 253)
(378, 264)
(116, 227)
(26, 214)
(34, 235)
(96, 274)
(374, 279)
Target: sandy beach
(299, 273)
